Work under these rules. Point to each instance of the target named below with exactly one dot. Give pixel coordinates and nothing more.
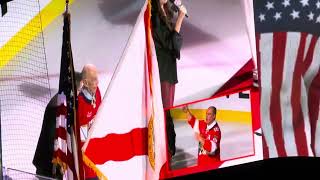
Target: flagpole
(76, 127)
(67, 6)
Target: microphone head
(175, 5)
(176, 2)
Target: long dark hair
(166, 16)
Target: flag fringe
(90, 164)
(58, 161)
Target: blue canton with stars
(287, 16)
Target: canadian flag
(127, 139)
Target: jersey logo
(89, 114)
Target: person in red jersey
(89, 100)
(208, 133)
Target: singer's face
(162, 2)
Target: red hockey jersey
(209, 152)
(87, 109)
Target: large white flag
(127, 140)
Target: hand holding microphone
(183, 10)
(178, 7)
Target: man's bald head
(90, 77)
(88, 68)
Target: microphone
(175, 7)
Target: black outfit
(167, 44)
(43, 156)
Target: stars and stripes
(287, 34)
(66, 152)
(287, 15)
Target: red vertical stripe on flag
(297, 115)
(309, 56)
(265, 147)
(147, 21)
(258, 38)
(278, 55)
(264, 143)
(314, 105)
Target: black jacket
(168, 45)
(43, 155)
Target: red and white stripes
(63, 145)
(288, 63)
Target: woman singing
(168, 44)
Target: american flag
(66, 153)
(287, 34)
